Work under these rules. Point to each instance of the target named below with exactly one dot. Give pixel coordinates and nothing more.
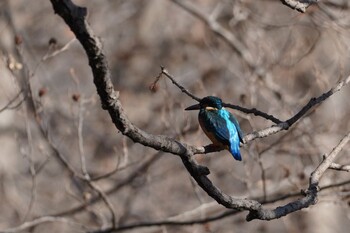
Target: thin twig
(41, 220)
(114, 171)
(81, 139)
(314, 101)
(31, 166)
(136, 173)
(45, 133)
(57, 51)
(288, 123)
(254, 111)
(87, 179)
(184, 90)
(8, 105)
(339, 167)
(263, 177)
(105, 199)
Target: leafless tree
(282, 72)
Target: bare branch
(114, 171)
(136, 173)
(81, 139)
(318, 100)
(254, 111)
(14, 99)
(339, 167)
(105, 199)
(225, 214)
(75, 17)
(231, 40)
(184, 90)
(288, 123)
(45, 133)
(57, 51)
(310, 194)
(299, 5)
(45, 219)
(168, 222)
(41, 220)
(317, 174)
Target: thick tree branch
(74, 16)
(110, 102)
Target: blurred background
(284, 59)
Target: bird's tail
(234, 149)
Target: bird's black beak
(193, 107)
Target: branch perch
(75, 18)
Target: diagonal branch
(254, 111)
(339, 167)
(14, 99)
(299, 5)
(184, 90)
(310, 194)
(288, 123)
(75, 18)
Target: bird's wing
(235, 122)
(218, 126)
(223, 127)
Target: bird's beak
(193, 107)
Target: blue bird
(219, 125)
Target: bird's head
(207, 103)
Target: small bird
(219, 125)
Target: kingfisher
(219, 125)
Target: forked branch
(75, 18)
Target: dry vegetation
(65, 167)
